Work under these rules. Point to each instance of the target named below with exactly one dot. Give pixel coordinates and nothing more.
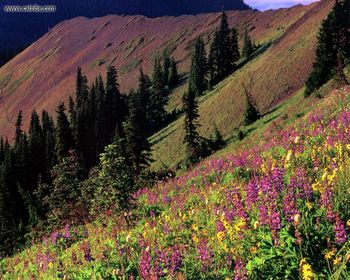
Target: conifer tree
(173, 74)
(192, 139)
(333, 46)
(145, 90)
(234, 46)
(166, 68)
(248, 46)
(48, 130)
(115, 106)
(64, 137)
(213, 60)
(158, 98)
(101, 115)
(251, 113)
(198, 71)
(225, 52)
(138, 148)
(36, 150)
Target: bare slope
(44, 73)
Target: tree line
(42, 173)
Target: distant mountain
(18, 30)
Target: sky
(263, 5)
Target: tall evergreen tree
(225, 53)
(198, 71)
(192, 139)
(64, 137)
(36, 150)
(145, 91)
(213, 60)
(158, 98)
(48, 130)
(166, 68)
(116, 108)
(234, 46)
(101, 115)
(332, 49)
(248, 46)
(138, 147)
(173, 74)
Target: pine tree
(332, 49)
(198, 71)
(213, 60)
(36, 151)
(115, 105)
(248, 46)
(158, 98)
(234, 46)
(100, 124)
(251, 113)
(192, 139)
(166, 68)
(48, 130)
(138, 147)
(173, 74)
(145, 90)
(64, 137)
(19, 131)
(225, 53)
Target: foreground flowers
(279, 210)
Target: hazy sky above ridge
(263, 5)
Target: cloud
(275, 4)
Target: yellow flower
(50, 265)
(337, 260)
(306, 270)
(296, 140)
(348, 223)
(329, 254)
(195, 239)
(309, 205)
(220, 235)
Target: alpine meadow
(171, 140)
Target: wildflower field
(279, 210)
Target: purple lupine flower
(275, 224)
(176, 259)
(205, 255)
(252, 193)
(263, 215)
(339, 231)
(54, 236)
(146, 269)
(220, 226)
(66, 233)
(240, 270)
(289, 207)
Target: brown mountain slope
(44, 73)
(273, 76)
